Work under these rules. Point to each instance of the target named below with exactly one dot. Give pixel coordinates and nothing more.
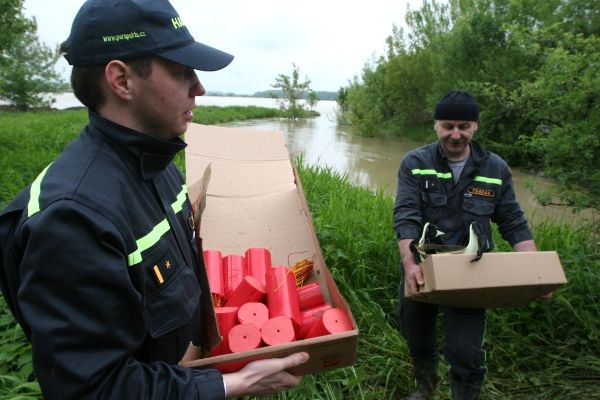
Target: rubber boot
(425, 370)
(465, 391)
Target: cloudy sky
(329, 40)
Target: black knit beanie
(457, 105)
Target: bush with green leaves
(298, 100)
(27, 71)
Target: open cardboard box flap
(255, 199)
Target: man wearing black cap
(98, 260)
(451, 183)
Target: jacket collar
(477, 155)
(152, 154)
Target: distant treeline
(532, 65)
(322, 95)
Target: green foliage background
(533, 65)
(298, 99)
(26, 65)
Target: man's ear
(117, 75)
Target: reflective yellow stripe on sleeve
(33, 206)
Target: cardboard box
(255, 199)
(497, 280)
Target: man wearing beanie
(98, 256)
(451, 184)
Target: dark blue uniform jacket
(484, 193)
(100, 267)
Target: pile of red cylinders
(258, 304)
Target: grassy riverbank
(542, 351)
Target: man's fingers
(293, 360)
(419, 277)
(265, 376)
(284, 363)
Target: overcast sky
(329, 40)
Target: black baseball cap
(457, 105)
(105, 30)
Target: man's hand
(265, 376)
(413, 274)
(413, 279)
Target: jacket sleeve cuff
(210, 384)
(519, 236)
(407, 233)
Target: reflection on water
(371, 162)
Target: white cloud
(329, 40)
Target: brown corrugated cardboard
(255, 199)
(497, 280)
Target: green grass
(210, 115)
(542, 351)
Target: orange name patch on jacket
(477, 191)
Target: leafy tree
(13, 24)
(366, 113)
(299, 99)
(26, 65)
(342, 99)
(393, 91)
(563, 102)
(29, 74)
(343, 108)
(311, 99)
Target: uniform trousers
(464, 329)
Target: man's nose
(455, 133)
(198, 89)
